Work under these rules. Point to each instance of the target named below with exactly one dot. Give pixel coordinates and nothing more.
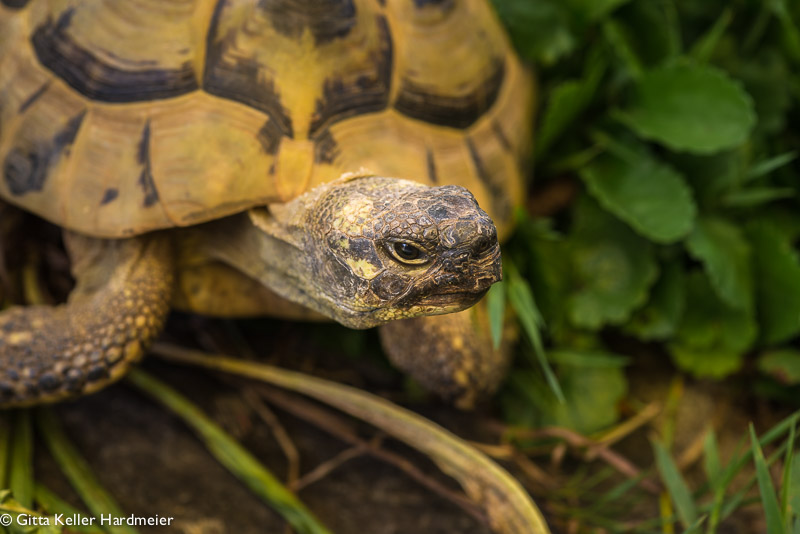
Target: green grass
(676, 124)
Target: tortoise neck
(271, 252)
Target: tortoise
(296, 158)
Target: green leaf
(769, 501)
(521, 298)
(567, 101)
(785, 219)
(659, 318)
(592, 394)
(715, 362)
(232, 455)
(645, 193)
(781, 364)
(676, 485)
(586, 11)
(587, 358)
(496, 304)
(712, 337)
(690, 107)
(613, 268)
(545, 263)
(725, 254)
(640, 33)
(711, 176)
(540, 30)
(777, 272)
(766, 79)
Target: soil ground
(153, 464)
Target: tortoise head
(375, 249)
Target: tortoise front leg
(451, 355)
(119, 304)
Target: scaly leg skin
(122, 296)
(451, 355)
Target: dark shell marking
(25, 169)
(34, 97)
(240, 79)
(499, 197)
(425, 104)
(93, 78)
(431, 164)
(109, 195)
(367, 92)
(501, 136)
(326, 19)
(270, 136)
(441, 4)
(146, 177)
(325, 148)
(14, 4)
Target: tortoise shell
(121, 117)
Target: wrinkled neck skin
(331, 249)
(281, 260)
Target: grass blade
(5, 447)
(711, 462)
(744, 496)
(756, 196)
(496, 304)
(772, 510)
(721, 508)
(11, 509)
(521, 298)
(20, 476)
(509, 507)
(786, 477)
(704, 47)
(767, 166)
(78, 472)
(736, 465)
(232, 455)
(53, 504)
(695, 527)
(794, 492)
(676, 485)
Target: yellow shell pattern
(121, 117)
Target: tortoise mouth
(437, 304)
(453, 300)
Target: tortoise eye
(407, 253)
(483, 245)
